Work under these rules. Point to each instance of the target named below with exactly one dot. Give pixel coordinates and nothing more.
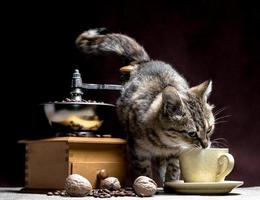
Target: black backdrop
(203, 39)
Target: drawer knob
(102, 174)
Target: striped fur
(161, 113)
(91, 42)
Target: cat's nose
(204, 143)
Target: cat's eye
(209, 129)
(192, 134)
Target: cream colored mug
(206, 165)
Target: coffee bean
(50, 193)
(107, 195)
(129, 189)
(106, 191)
(63, 194)
(121, 194)
(127, 193)
(90, 193)
(115, 194)
(95, 192)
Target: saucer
(223, 187)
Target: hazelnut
(144, 186)
(110, 183)
(77, 186)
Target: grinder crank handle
(90, 86)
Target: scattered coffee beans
(105, 193)
(102, 193)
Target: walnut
(144, 186)
(110, 183)
(77, 186)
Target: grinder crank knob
(125, 72)
(102, 174)
(127, 69)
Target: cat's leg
(173, 169)
(161, 164)
(141, 164)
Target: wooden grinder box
(48, 162)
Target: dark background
(202, 39)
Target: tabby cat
(161, 113)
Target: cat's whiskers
(219, 119)
(219, 143)
(217, 112)
(219, 122)
(222, 139)
(222, 117)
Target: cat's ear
(202, 90)
(172, 103)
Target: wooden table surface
(244, 193)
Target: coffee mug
(206, 165)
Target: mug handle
(227, 160)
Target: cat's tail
(93, 42)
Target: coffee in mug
(206, 165)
